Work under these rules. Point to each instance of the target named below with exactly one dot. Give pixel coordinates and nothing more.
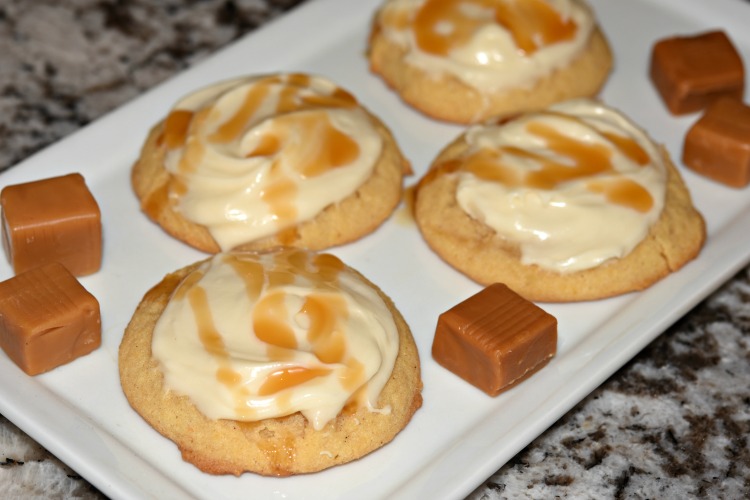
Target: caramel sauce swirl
(252, 157)
(573, 186)
(488, 44)
(532, 24)
(250, 336)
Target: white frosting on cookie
(253, 156)
(254, 336)
(573, 186)
(490, 45)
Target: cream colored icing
(563, 220)
(262, 154)
(254, 336)
(490, 58)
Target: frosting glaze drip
(253, 156)
(488, 44)
(251, 336)
(573, 186)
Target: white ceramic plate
(460, 436)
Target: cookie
(466, 60)
(573, 203)
(277, 363)
(264, 161)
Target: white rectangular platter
(460, 436)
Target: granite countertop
(673, 423)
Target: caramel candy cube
(718, 144)
(47, 319)
(52, 220)
(690, 72)
(495, 339)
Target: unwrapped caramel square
(718, 144)
(495, 339)
(47, 318)
(52, 220)
(690, 72)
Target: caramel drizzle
(325, 310)
(580, 160)
(311, 144)
(211, 339)
(176, 128)
(284, 378)
(533, 24)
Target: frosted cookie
(466, 60)
(277, 363)
(265, 161)
(572, 203)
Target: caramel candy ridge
(690, 72)
(47, 319)
(52, 220)
(495, 339)
(718, 144)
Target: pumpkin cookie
(277, 363)
(466, 60)
(573, 203)
(265, 161)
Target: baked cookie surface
(574, 203)
(466, 60)
(266, 161)
(278, 407)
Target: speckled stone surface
(672, 423)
